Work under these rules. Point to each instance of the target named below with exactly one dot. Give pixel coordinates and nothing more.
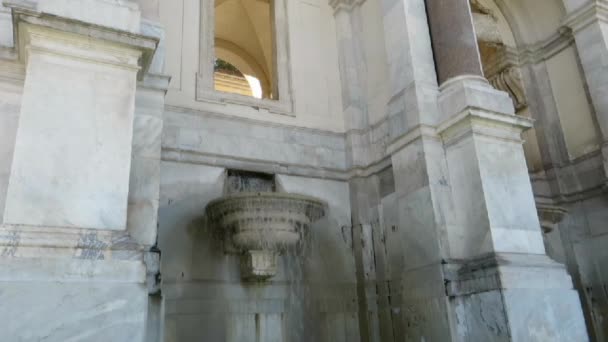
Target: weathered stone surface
(432, 231)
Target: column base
(513, 297)
(498, 297)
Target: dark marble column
(453, 37)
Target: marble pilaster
(589, 24)
(69, 246)
(348, 22)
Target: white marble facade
(456, 209)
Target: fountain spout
(261, 225)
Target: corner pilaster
(589, 25)
(76, 233)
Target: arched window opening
(244, 48)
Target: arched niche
(525, 52)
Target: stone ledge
(76, 243)
(586, 15)
(504, 271)
(506, 127)
(464, 92)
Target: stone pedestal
(494, 204)
(71, 266)
(474, 266)
(500, 283)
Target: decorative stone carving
(347, 5)
(486, 24)
(509, 80)
(550, 216)
(262, 225)
(486, 28)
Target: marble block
(72, 154)
(76, 311)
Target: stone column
(588, 21)
(80, 214)
(497, 263)
(454, 41)
(473, 265)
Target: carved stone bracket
(550, 216)
(509, 80)
(259, 226)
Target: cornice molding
(545, 49)
(594, 11)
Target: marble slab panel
(60, 312)
(73, 150)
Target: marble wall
(421, 196)
(204, 297)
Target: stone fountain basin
(265, 220)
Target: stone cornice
(506, 127)
(545, 49)
(79, 32)
(546, 179)
(411, 136)
(80, 243)
(592, 12)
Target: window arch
(252, 36)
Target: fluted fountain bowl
(262, 224)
